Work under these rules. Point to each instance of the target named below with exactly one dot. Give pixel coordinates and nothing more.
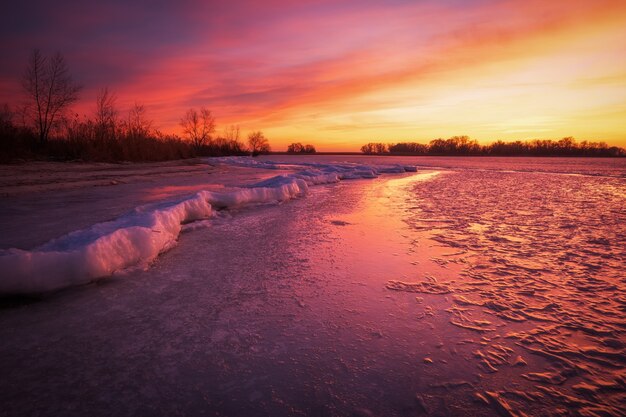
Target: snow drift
(137, 238)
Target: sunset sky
(338, 74)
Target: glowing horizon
(341, 74)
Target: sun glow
(562, 88)
(338, 74)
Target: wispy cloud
(347, 68)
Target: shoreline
(138, 237)
(43, 202)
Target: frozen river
(471, 287)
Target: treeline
(41, 128)
(299, 148)
(463, 145)
(128, 139)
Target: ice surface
(475, 293)
(137, 238)
(172, 340)
(540, 261)
(603, 167)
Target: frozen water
(139, 237)
(541, 261)
(478, 291)
(273, 310)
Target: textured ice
(137, 238)
(539, 261)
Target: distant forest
(464, 146)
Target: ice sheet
(137, 238)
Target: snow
(137, 238)
(82, 256)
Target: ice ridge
(138, 237)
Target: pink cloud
(263, 60)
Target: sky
(341, 73)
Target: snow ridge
(137, 238)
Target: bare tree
(198, 126)
(258, 143)
(138, 124)
(229, 142)
(296, 147)
(374, 148)
(106, 114)
(50, 89)
(231, 133)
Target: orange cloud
(340, 73)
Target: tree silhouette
(138, 124)
(198, 126)
(412, 148)
(258, 143)
(106, 114)
(297, 147)
(463, 145)
(50, 90)
(374, 148)
(232, 133)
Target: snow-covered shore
(137, 237)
